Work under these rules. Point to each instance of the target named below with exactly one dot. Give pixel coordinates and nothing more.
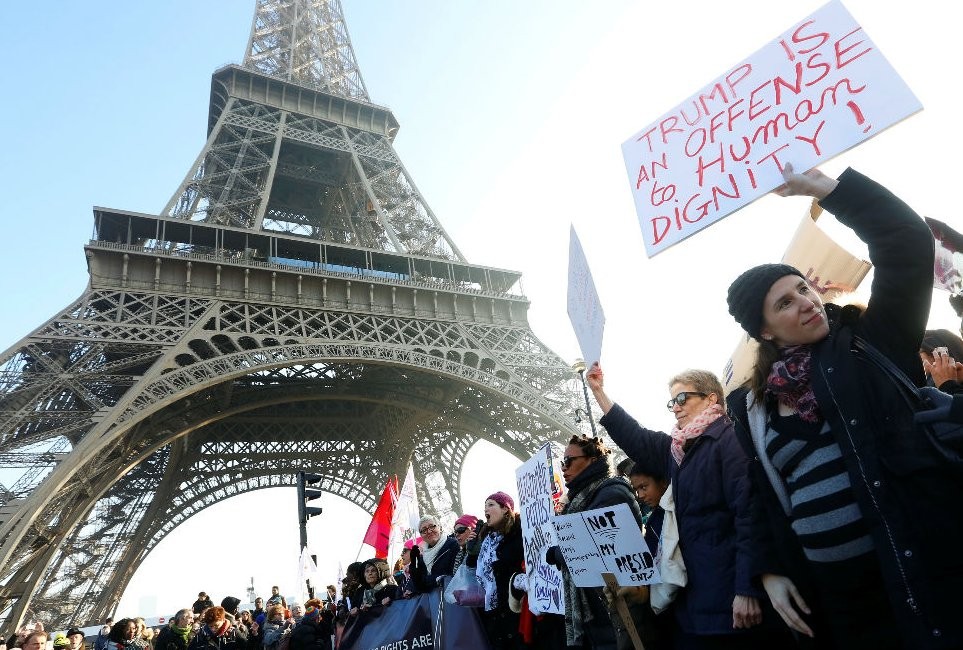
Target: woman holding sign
(709, 472)
(861, 511)
(591, 484)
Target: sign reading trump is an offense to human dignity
(814, 92)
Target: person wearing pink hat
(466, 529)
(499, 557)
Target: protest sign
(830, 269)
(948, 267)
(535, 505)
(605, 540)
(584, 308)
(814, 92)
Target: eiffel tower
(296, 305)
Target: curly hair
(214, 614)
(275, 609)
(591, 447)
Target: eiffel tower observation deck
(295, 305)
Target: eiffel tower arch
(296, 305)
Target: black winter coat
(712, 499)
(310, 635)
(168, 639)
(909, 498)
(509, 558)
(423, 580)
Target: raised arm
(646, 447)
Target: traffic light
(306, 495)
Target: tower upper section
(305, 41)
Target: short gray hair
(424, 520)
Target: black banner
(425, 621)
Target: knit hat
(61, 641)
(230, 604)
(502, 499)
(749, 290)
(72, 631)
(466, 520)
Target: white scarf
(484, 571)
(429, 553)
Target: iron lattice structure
(296, 305)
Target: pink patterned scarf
(694, 429)
(790, 383)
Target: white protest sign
(584, 308)
(817, 90)
(535, 505)
(605, 540)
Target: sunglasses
(428, 527)
(460, 529)
(681, 398)
(568, 460)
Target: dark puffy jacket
(168, 639)
(312, 635)
(509, 558)
(907, 495)
(234, 639)
(712, 500)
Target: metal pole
(579, 367)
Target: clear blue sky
(511, 115)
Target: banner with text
(814, 92)
(584, 308)
(425, 621)
(605, 540)
(535, 505)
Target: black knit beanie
(749, 290)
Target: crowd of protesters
(808, 508)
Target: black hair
(591, 447)
(638, 469)
(118, 631)
(942, 339)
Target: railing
(240, 258)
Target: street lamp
(579, 367)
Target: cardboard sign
(605, 540)
(814, 92)
(584, 308)
(535, 505)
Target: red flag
(379, 530)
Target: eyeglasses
(428, 527)
(681, 398)
(567, 460)
(460, 529)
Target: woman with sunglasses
(709, 473)
(591, 483)
(433, 559)
(466, 531)
(862, 514)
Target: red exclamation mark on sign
(859, 115)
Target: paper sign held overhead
(584, 308)
(817, 90)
